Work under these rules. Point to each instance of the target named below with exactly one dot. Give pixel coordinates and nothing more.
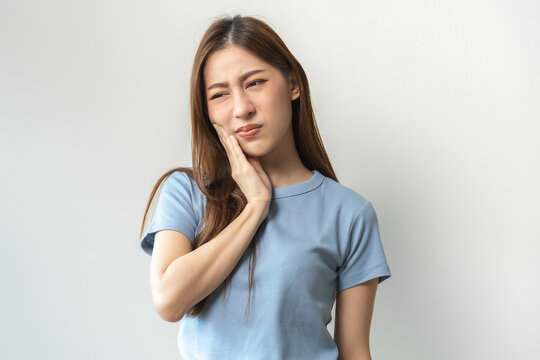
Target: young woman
(261, 185)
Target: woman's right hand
(246, 170)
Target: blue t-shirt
(319, 237)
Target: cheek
(276, 102)
(216, 114)
(280, 105)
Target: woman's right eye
(215, 96)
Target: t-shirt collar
(300, 188)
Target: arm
(180, 281)
(354, 310)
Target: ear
(295, 91)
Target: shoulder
(180, 186)
(179, 181)
(179, 177)
(349, 200)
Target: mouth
(249, 132)
(248, 127)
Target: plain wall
(429, 109)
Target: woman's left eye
(256, 81)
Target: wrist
(258, 207)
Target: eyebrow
(242, 78)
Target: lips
(248, 127)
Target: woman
(261, 179)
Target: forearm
(192, 277)
(364, 355)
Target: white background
(430, 109)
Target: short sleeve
(174, 210)
(365, 258)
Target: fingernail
(215, 126)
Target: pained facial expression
(262, 97)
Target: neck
(283, 165)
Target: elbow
(171, 315)
(168, 310)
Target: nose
(243, 106)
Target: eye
(256, 81)
(216, 96)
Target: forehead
(230, 63)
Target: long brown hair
(211, 169)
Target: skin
(270, 159)
(354, 310)
(267, 102)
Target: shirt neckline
(300, 188)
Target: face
(242, 89)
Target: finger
(226, 141)
(239, 155)
(222, 138)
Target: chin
(255, 150)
